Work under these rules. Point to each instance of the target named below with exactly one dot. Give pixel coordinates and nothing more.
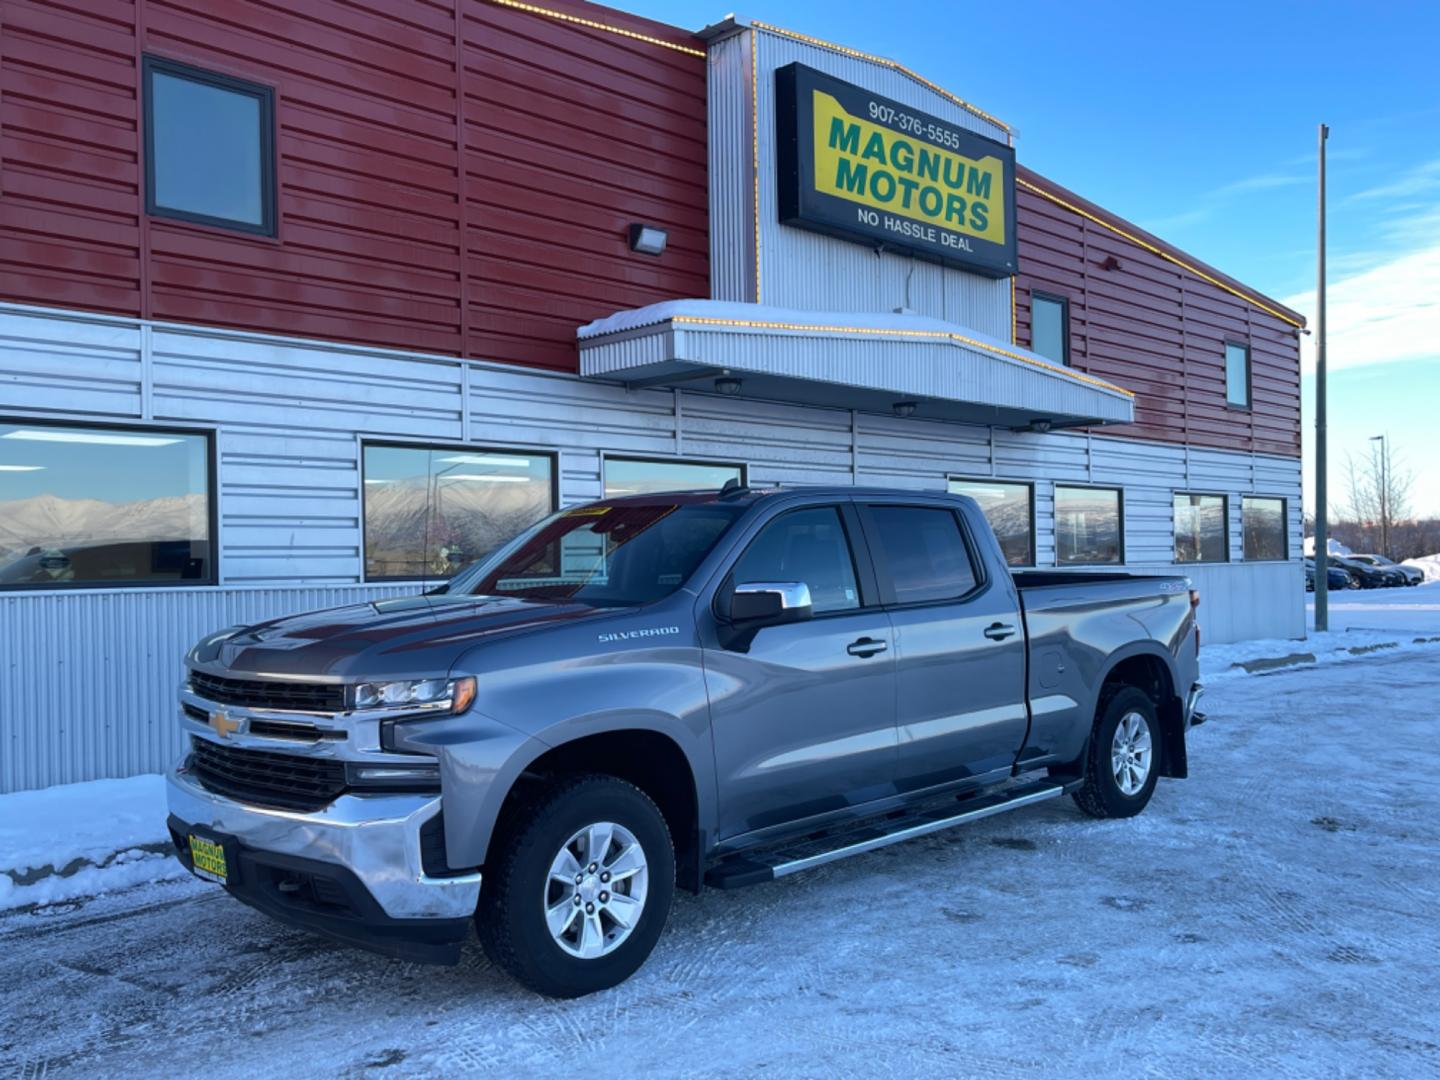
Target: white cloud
(1388, 312)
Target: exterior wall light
(648, 239)
(1040, 426)
(727, 385)
(903, 408)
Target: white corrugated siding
(87, 679)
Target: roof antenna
(733, 486)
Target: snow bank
(83, 839)
(1333, 546)
(1429, 565)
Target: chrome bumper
(1193, 716)
(375, 837)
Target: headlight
(440, 695)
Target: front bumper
(353, 870)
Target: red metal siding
(1141, 320)
(569, 134)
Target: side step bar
(753, 867)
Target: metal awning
(871, 362)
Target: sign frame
(803, 205)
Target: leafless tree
(1379, 496)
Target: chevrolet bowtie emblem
(223, 724)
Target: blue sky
(1198, 123)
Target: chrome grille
(269, 693)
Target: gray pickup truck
(693, 689)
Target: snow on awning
(871, 362)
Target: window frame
(855, 538)
(661, 459)
(391, 444)
(1034, 527)
(1055, 515)
(885, 583)
(1284, 527)
(1064, 302)
(1249, 403)
(1175, 534)
(212, 503)
(269, 182)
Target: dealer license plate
(208, 858)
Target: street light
(1384, 494)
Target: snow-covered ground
(1274, 915)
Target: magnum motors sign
(860, 166)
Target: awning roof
(854, 361)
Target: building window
(645, 476)
(1010, 510)
(98, 506)
(1263, 522)
(209, 148)
(1202, 528)
(1237, 375)
(1089, 526)
(1050, 327)
(429, 511)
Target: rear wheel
(1122, 764)
(579, 891)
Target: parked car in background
(1337, 577)
(1370, 577)
(1413, 574)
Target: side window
(924, 551)
(809, 546)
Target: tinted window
(1201, 529)
(1007, 507)
(428, 512)
(103, 506)
(1087, 525)
(608, 556)
(1263, 522)
(924, 551)
(209, 142)
(634, 476)
(808, 546)
(1237, 374)
(1049, 327)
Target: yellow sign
(877, 166)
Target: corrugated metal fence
(88, 678)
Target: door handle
(999, 631)
(865, 646)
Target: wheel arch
(1150, 669)
(643, 755)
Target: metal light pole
(1322, 540)
(1384, 493)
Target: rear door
(803, 717)
(958, 641)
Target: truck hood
(406, 637)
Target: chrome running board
(753, 867)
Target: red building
(303, 255)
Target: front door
(959, 648)
(804, 721)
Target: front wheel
(1122, 765)
(580, 889)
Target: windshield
(607, 555)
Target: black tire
(510, 920)
(1101, 796)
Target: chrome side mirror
(768, 603)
